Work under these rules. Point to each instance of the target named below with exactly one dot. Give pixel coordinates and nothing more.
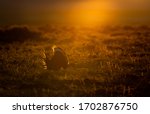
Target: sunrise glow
(92, 13)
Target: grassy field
(104, 61)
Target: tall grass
(108, 61)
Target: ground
(104, 61)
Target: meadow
(104, 61)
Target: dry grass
(104, 61)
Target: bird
(58, 60)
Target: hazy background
(37, 12)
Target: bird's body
(58, 60)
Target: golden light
(91, 12)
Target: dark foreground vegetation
(104, 61)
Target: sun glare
(91, 13)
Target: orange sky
(75, 11)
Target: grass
(104, 61)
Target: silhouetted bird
(59, 59)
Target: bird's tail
(44, 58)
